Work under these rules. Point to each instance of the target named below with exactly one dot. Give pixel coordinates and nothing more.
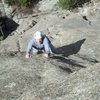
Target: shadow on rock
(8, 26)
(68, 61)
(64, 52)
(71, 49)
(68, 70)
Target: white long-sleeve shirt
(45, 44)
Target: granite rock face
(71, 74)
(47, 5)
(48, 79)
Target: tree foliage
(9, 2)
(68, 4)
(23, 3)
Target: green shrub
(9, 2)
(23, 3)
(68, 4)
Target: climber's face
(38, 41)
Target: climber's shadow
(65, 51)
(8, 26)
(71, 49)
